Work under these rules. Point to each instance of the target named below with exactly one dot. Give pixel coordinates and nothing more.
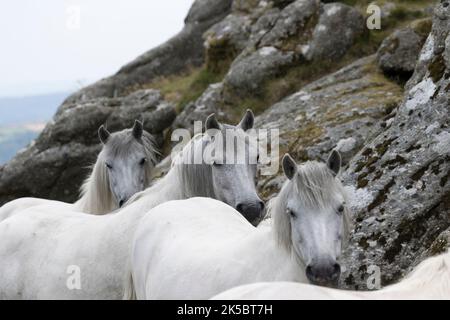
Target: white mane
(183, 180)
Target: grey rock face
(55, 165)
(199, 110)
(398, 53)
(338, 27)
(247, 74)
(405, 204)
(294, 25)
(343, 109)
(225, 40)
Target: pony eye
(341, 209)
(291, 213)
(143, 161)
(108, 165)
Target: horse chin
(325, 283)
(256, 222)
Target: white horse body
(430, 280)
(195, 255)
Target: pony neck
(96, 196)
(275, 262)
(165, 189)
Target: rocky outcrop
(402, 176)
(343, 109)
(268, 43)
(55, 165)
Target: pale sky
(60, 45)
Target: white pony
(429, 280)
(197, 248)
(123, 168)
(69, 255)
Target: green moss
(363, 243)
(439, 246)
(300, 139)
(359, 166)
(402, 13)
(219, 55)
(422, 27)
(443, 181)
(381, 196)
(419, 173)
(437, 68)
(367, 152)
(383, 147)
(397, 160)
(184, 88)
(362, 183)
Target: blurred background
(52, 48)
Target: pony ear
(334, 162)
(103, 134)
(247, 121)
(138, 129)
(289, 166)
(212, 123)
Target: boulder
(402, 176)
(55, 165)
(247, 74)
(225, 40)
(338, 27)
(398, 53)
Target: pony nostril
(336, 270)
(309, 272)
(121, 203)
(252, 211)
(262, 206)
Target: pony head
(312, 218)
(225, 166)
(127, 159)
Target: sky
(62, 45)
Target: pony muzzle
(252, 211)
(324, 274)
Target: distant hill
(16, 111)
(11, 143)
(21, 119)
